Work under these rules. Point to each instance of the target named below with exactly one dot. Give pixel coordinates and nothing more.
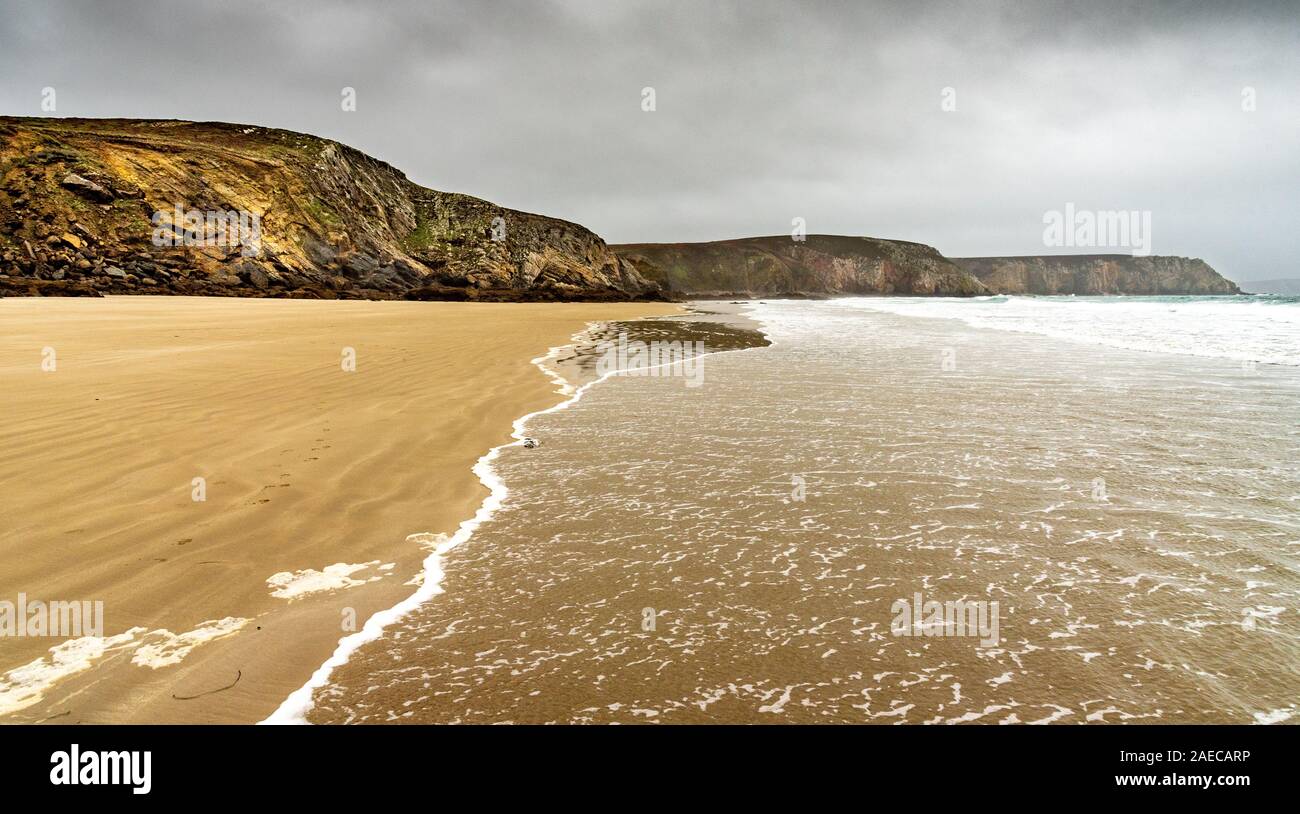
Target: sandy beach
(114, 407)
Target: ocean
(1000, 510)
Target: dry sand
(306, 465)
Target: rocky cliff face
(169, 207)
(821, 264)
(1092, 274)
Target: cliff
(124, 206)
(1085, 274)
(821, 264)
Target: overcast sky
(765, 111)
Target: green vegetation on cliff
(80, 202)
(1092, 274)
(824, 264)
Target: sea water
(1116, 482)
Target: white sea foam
(1276, 716)
(23, 686)
(297, 584)
(26, 685)
(170, 648)
(1246, 328)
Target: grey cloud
(766, 110)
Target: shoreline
(299, 704)
(296, 709)
(208, 673)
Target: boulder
(86, 187)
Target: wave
(1258, 328)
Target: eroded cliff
(104, 205)
(1096, 274)
(820, 264)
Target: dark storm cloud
(765, 111)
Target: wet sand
(305, 465)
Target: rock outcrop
(122, 206)
(1095, 274)
(820, 264)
